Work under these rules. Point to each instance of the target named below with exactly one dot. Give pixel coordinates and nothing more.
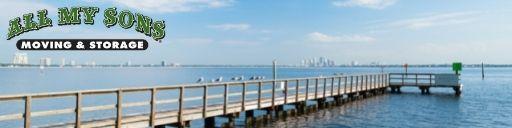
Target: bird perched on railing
(219, 79)
(200, 80)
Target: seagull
(252, 78)
(219, 79)
(200, 80)
(241, 78)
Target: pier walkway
(178, 105)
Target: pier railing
(194, 101)
(424, 79)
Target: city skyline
(254, 32)
(21, 59)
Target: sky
(259, 31)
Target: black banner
(82, 44)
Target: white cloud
(17, 8)
(373, 4)
(239, 42)
(171, 6)
(320, 37)
(238, 27)
(195, 41)
(435, 20)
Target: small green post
(457, 66)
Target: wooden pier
(424, 81)
(207, 101)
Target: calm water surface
(484, 103)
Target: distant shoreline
(252, 66)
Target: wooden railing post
(243, 95)
(430, 79)
(307, 89)
(361, 86)
(297, 91)
(325, 86)
(153, 108)
(339, 85)
(383, 80)
(365, 82)
(28, 106)
(273, 93)
(357, 83)
(225, 106)
(403, 79)
(416, 79)
(332, 86)
(259, 95)
(285, 91)
(78, 110)
(374, 81)
(371, 81)
(316, 88)
(205, 100)
(119, 105)
(378, 81)
(351, 83)
(345, 90)
(180, 108)
(387, 80)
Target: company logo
(86, 15)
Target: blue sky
(258, 31)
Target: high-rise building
(320, 62)
(45, 61)
(62, 62)
(162, 64)
(354, 63)
(20, 58)
(72, 63)
(129, 63)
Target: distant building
(320, 62)
(72, 63)
(20, 58)
(354, 63)
(175, 64)
(62, 62)
(45, 61)
(376, 63)
(129, 63)
(162, 64)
